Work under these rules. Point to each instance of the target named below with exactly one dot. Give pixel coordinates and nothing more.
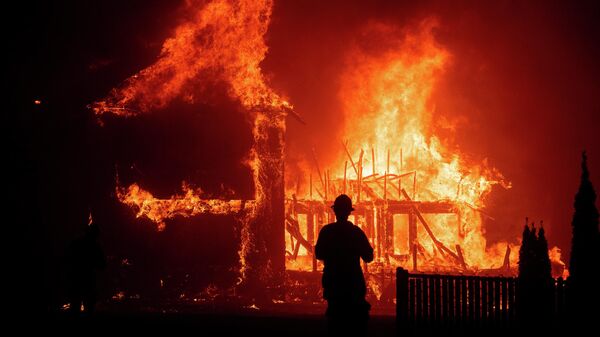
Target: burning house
(420, 204)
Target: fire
(223, 41)
(559, 269)
(386, 95)
(188, 204)
(386, 100)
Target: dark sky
(524, 78)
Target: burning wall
(222, 42)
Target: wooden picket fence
(427, 299)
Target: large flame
(223, 41)
(386, 100)
(386, 95)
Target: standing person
(340, 246)
(85, 256)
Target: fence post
(471, 300)
(401, 295)
(419, 300)
(490, 302)
(457, 313)
(477, 300)
(484, 299)
(497, 313)
(463, 301)
(450, 289)
(438, 300)
(445, 299)
(425, 279)
(512, 299)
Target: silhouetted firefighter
(535, 278)
(585, 252)
(85, 256)
(341, 245)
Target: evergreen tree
(584, 293)
(584, 245)
(524, 256)
(535, 278)
(545, 272)
(534, 269)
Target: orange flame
(189, 204)
(386, 99)
(559, 268)
(385, 95)
(222, 42)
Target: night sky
(523, 85)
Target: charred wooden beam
(296, 250)
(360, 169)
(405, 207)
(394, 206)
(310, 232)
(440, 246)
(506, 264)
(412, 236)
(476, 209)
(389, 235)
(461, 258)
(350, 157)
(370, 192)
(293, 227)
(414, 256)
(314, 154)
(345, 169)
(378, 236)
(400, 177)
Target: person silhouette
(340, 246)
(85, 257)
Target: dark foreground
(206, 324)
(203, 324)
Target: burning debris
(420, 204)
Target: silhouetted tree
(524, 253)
(545, 280)
(585, 248)
(526, 271)
(543, 258)
(534, 265)
(535, 278)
